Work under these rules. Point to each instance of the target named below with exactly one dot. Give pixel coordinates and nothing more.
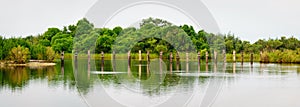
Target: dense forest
(47, 45)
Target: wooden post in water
(187, 56)
(160, 61)
(140, 55)
(62, 57)
(224, 55)
(215, 67)
(234, 56)
(206, 57)
(140, 70)
(171, 62)
(206, 67)
(177, 61)
(234, 68)
(76, 57)
(62, 63)
(215, 56)
(129, 63)
(114, 61)
(128, 69)
(76, 64)
(102, 61)
(171, 57)
(148, 56)
(114, 55)
(199, 61)
(187, 61)
(242, 58)
(251, 58)
(129, 59)
(161, 55)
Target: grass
(277, 56)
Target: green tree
(45, 42)
(37, 51)
(118, 30)
(72, 29)
(50, 54)
(83, 27)
(50, 33)
(155, 22)
(104, 43)
(162, 48)
(292, 43)
(86, 36)
(62, 42)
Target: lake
(157, 83)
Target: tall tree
(62, 42)
(50, 33)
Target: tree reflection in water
(16, 78)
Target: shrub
(19, 55)
(50, 53)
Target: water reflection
(234, 68)
(16, 78)
(19, 77)
(141, 79)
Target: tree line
(47, 45)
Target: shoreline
(30, 64)
(192, 57)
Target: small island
(20, 56)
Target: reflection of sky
(250, 20)
(40, 94)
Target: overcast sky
(247, 19)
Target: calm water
(153, 84)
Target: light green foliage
(19, 54)
(161, 48)
(50, 54)
(85, 37)
(84, 27)
(278, 56)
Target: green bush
(285, 56)
(19, 55)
